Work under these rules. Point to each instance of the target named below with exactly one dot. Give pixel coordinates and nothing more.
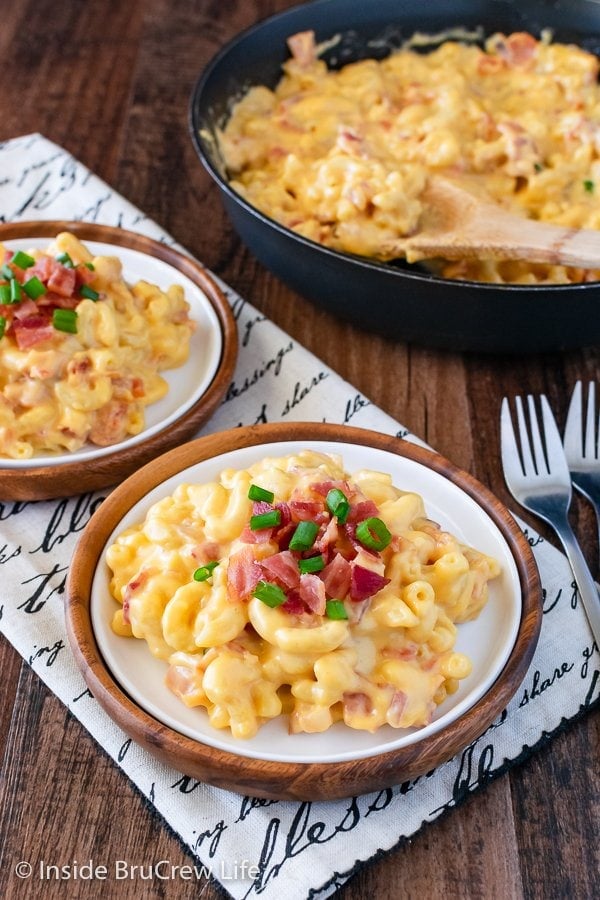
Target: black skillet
(399, 301)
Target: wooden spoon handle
(506, 236)
(456, 224)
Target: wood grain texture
(278, 780)
(34, 482)
(532, 834)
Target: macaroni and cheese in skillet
(342, 157)
(81, 351)
(293, 588)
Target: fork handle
(586, 585)
(587, 487)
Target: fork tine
(573, 435)
(541, 463)
(511, 461)
(557, 462)
(528, 461)
(589, 439)
(591, 446)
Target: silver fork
(580, 441)
(538, 478)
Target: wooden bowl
(242, 767)
(69, 474)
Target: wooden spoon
(456, 224)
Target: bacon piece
(312, 591)
(43, 268)
(243, 574)
(327, 536)
(32, 330)
(364, 509)
(323, 487)
(305, 510)
(62, 281)
(294, 605)
(336, 577)
(260, 536)
(283, 567)
(51, 299)
(364, 583)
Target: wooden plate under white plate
(340, 762)
(195, 389)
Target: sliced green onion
(312, 564)
(257, 493)
(65, 320)
(65, 259)
(2, 326)
(90, 266)
(88, 292)
(16, 295)
(335, 609)
(204, 572)
(304, 536)
(22, 260)
(373, 533)
(337, 504)
(7, 272)
(269, 593)
(588, 185)
(5, 293)
(34, 288)
(265, 520)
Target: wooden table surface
(110, 82)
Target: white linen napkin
(259, 847)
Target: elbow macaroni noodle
(342, 157)
(368, 639)
(63, 389)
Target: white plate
(186, 383)
(488, 640)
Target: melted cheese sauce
(342, 157)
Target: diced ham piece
(206, 552)
(243, 574)
(283, 567)
(357, 703)
(517, 49)
(336, 577)
(396, 708)
(365, 583)
(182, 680)
(302, 47)
(312, 591)
(130, 588)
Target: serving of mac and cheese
(292, 588)
(342, 156)
(81, 350)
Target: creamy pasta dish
(342, 157)
(81, 351)
(293, 588)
